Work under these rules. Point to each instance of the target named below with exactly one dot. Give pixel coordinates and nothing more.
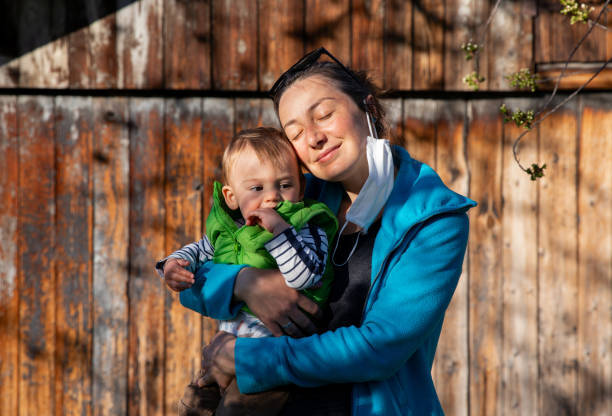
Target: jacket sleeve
(418, 284)
(211, 294)
(213, 291)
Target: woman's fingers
(275, 328)
(301, 325)
(291, 329)
(302, 315)
(276, 304)
(310, 307)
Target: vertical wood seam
(442, 86)
(304, 31)
(578, 115)
(130, 180)
(257, 47)
(234, 118)
(412, 13)
(211, 21)
(538, 270)
(55, 391)
(19, 249)
(532, 65)
(91, 260)
(350, 35)
(435, 138)
(54, 372)
(383, 75)
(164, 244)
(501, 262)
(163, 43)
(465, 133)
(203, 202)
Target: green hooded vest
(245, 245)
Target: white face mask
(375, 191)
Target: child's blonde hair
(268, 143)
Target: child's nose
(273, 196)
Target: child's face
(254, 184)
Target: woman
(398, 260)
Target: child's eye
(256, 188)
(286, 185)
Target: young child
(258, 218)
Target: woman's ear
(371, 108)
(230, 197)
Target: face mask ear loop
(336, 247)
(370, 123)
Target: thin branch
(560, 77)
(483, 34)
(556, 88)
(562, 103)
(599, 25)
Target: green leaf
(536, 171)
(523, 79)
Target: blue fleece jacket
(416, 263)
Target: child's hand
(175, 276)
(269, 219)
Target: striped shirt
(300, 256)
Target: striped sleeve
(196, 253)
(301, 256)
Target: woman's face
(326, 128)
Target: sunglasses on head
(303, 64)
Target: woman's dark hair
(358, 87)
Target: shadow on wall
(51, 20)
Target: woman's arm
(418, 288)
(220, 290)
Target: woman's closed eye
(326, 116)
(295, 135)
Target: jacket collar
(418, 194)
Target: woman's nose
(316, 138)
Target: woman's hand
(282, 309)
(218, 363)
(175, 276)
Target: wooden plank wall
(94, 190)
(245, 44)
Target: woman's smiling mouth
(328, 154)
